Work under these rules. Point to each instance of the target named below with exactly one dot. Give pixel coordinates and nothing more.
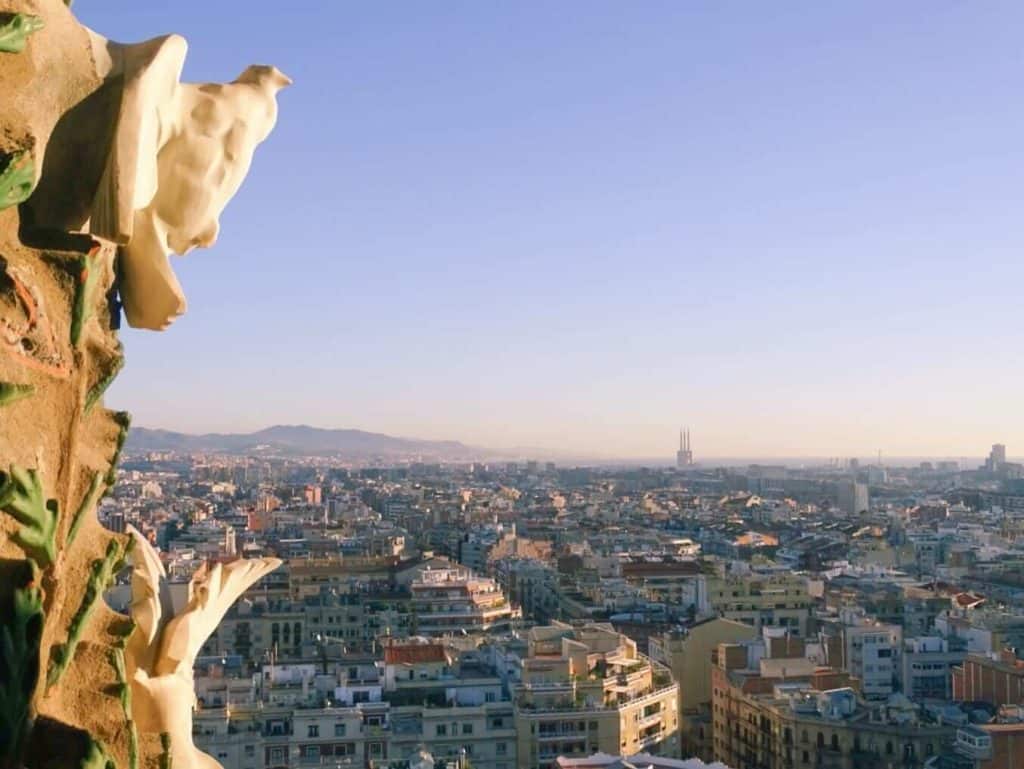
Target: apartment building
(362, 712)
(582, 690)
(453, 600)
(294, 629)
(530, 583)
(778, 600)
(678, 583)
(871, 652)
(790, 713)
(927, 665)
(687, 654)
(997, 679)
(998, 745)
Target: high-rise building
(996, 458)
(684, 457)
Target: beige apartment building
(586, 689)
(779, 600)
(790, 713)
(688, 655)
(451, 601)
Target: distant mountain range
(299, 439)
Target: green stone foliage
(16, 180)
(88, 502)
(124, 693)
(14, 31)
(96, 757)
(96, 391)
(21, 628)
(87, 279)
(22, 497)
(100, 576)
(165, 751)
(9, 393)
(124, 421)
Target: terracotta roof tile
(413, 653)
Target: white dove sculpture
(162, 650)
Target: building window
(467, 728)
(250, 751)
(311, 752)
(441, 730)
(339, 730)
(313, 730)
(500, 748)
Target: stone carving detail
(108, 163)
(162, 650)
(15, 29)
(16, 179)
(21, 626)
(179, 155)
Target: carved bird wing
(213, 591)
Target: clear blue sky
(796, 227)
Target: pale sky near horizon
(794, 227)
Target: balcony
(651, 740)
(653, 718)
(974, 743)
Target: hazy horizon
(795, 229)
(668, 459)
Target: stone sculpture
(108, 163)
(161, 652)
(201, 162)
(179, 155)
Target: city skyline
(684, 457)
(797, 226)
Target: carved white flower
(162, 651)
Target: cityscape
(526, 615)
(562, 385)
